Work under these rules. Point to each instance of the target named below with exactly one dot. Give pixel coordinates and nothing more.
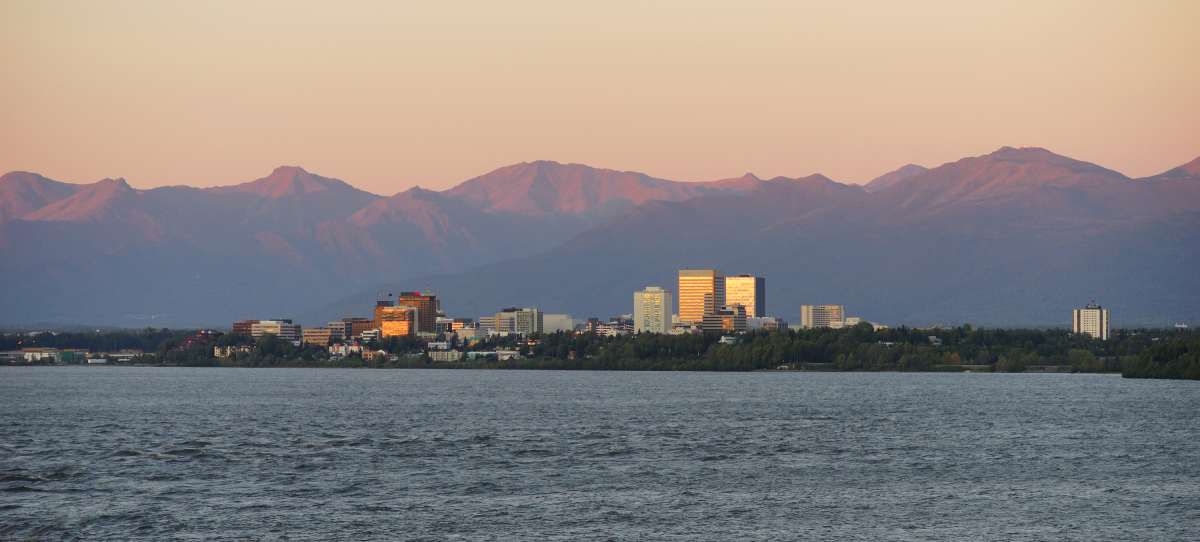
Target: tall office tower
(1091, 320)
(652, 310)
(701, 291)
(381, 304)
(427, 309)
(727, 319)
(397, 321)
(748, 291)
(813, 316)
(519, 321)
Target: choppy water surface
(143, 453)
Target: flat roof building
(652, 310)
(748, 291)
(1091, 320)
(817, 316)
(701, 291)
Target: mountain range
(1015, 237)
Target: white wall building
(552, 323)
(814, 316)
(652, 310)
(1091, 320)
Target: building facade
(815, 316)
(748, 291)
(283, 329)
(396, 321)
(727, 319)
(519, 321)
(700, 291)
(426, 306)
(652, 310)
(552, 323)
(243, 327)
(317, 336)
(1091, 320)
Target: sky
(387, 95)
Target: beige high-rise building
(701, 291)
(1091, 320)
(814, 316)
(652, 310)
(748, 291)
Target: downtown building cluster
(705, 301)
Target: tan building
(748, 291)
(815, 316)
(317, 336)
(397, 321)
(701, 291)
(1091, 320)
(652, 310)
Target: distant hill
(892, 177)
(1015, 236)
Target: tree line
(1147, 353)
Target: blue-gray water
(296, 454)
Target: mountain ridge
(572, 237)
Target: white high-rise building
(813, 316)
(652, 310)
(1091, 320)
(519, 321)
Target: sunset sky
(386, 95)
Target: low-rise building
(227, 352)
(820, 316)
(317, 336)
(445, 356)
(341, 350)
(283, 329)
(727, 319)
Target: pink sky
(386, 95)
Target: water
(296, 454)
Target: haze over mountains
(1018, 236)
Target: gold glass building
(701, 291)
(397, 321)
(748, 291)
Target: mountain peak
(547, 187)
(1190, 170)
(287, 181)
(23, 192)
(92, 202)
(892, 177)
